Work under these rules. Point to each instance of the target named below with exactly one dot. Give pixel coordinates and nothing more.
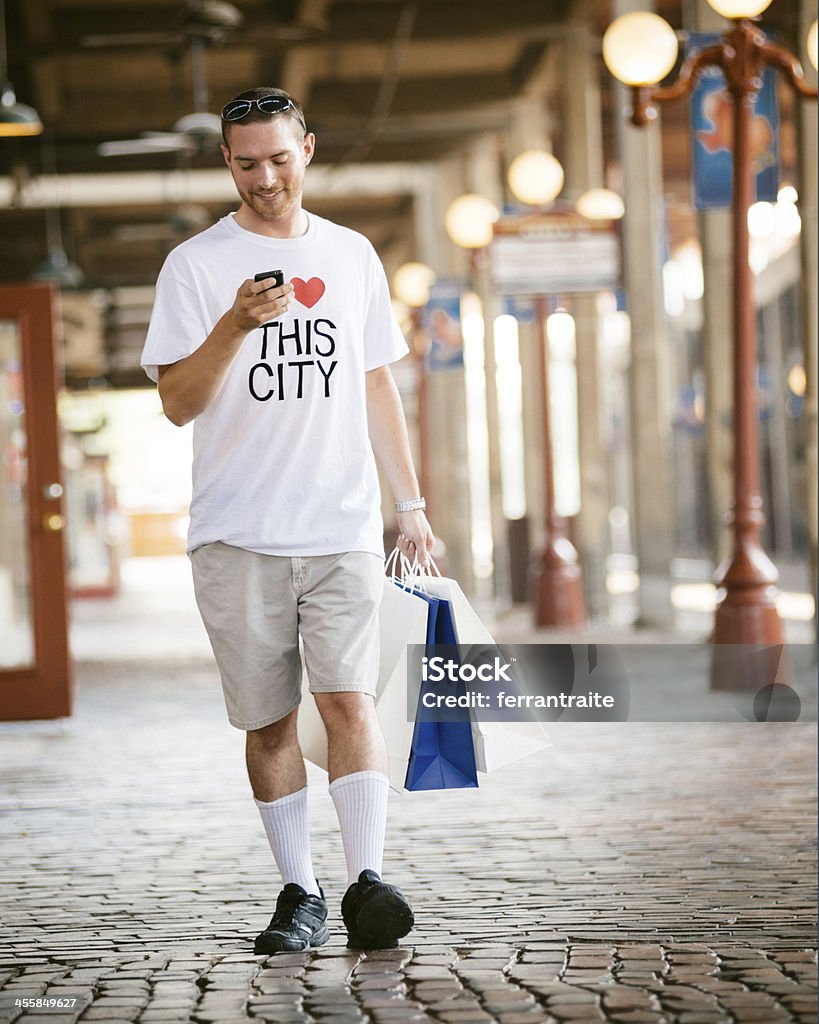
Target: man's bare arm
(388, 435)
(188, 386)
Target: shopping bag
(402, 624)
(442, 755)
(404, 619)
(496, 744)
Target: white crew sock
(285, 822)
(361, 806)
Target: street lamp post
(746, 613)
(536, 178)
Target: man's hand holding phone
(274, 278)
(262, 299)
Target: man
(290, 392)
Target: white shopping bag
(402, 621)
(310, 727)
(496, 743)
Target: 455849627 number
(45, 1002)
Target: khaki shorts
(255, 607)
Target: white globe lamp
(600, 204)
(739, 8)
(411, 283)
(469, 219)
(536, 177)
(640, 48)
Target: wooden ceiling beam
(436, 94)
(423, 58)
(442, 19)
(299, 68)
(114, 7)
(38, 21)
(347, 22)
(74, 24)
(420, 106)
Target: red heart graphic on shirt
(308, 292)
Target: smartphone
(276, 275)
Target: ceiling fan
(208, 20)
(212, 22)
(196, 132)
(203, 23)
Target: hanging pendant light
(58, 267)
(15, 118)
(468, 220)
(536, 177)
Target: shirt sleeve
(177, 324)
(383, 341)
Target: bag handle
(412, 574)
(430, 570)
(431, 564)
(401, 571)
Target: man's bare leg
(354, 739)
(275, 764)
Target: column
(810, 299)
(448, 471)
(776, 428)
(483, 176)
(583, 164)
(649, 399)
(530, 128)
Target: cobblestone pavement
(635, 872)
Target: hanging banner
(712, 109)
(442, 325)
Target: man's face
(267, 160)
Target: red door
(35, 677)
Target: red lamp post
(746, 613)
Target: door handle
(53, 522)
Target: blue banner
(442, 324)
(520, 307)
(712, 109)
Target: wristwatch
(411, 506)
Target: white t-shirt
(282, 460)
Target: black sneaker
(377, 915)
(300, 921)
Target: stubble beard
(275, 209)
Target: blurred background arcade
(564, 276)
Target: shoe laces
(286, 905)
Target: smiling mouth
(269, 195)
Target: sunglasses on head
(237, 109)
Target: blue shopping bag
(442, 755)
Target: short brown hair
(294, 112)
